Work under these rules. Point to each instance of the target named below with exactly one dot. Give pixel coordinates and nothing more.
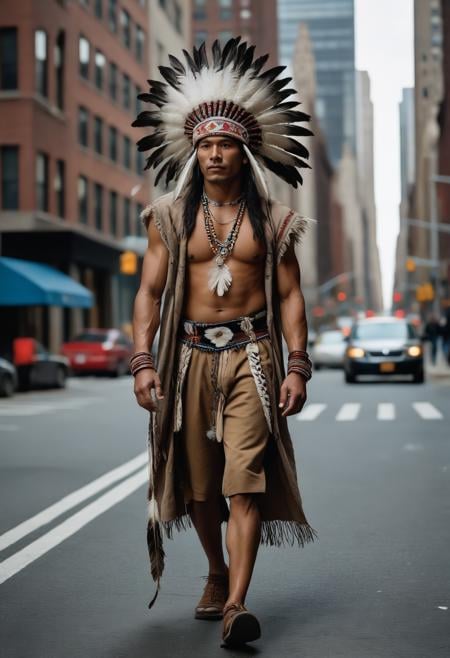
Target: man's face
(220, 158)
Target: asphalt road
(374, 465)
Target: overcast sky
(385, 48)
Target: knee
(243, 503)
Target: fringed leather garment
(283, 519)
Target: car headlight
(355, 352)
(414, 350)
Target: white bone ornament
(219, 279)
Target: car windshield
(331, 337)
(382, 330)
(88, 337)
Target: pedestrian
(432, 333)
(223, 252)
(445, 332)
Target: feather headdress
(230, 95)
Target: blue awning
(27, 283)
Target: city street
(374, 463)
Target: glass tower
(331, 29)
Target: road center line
(427, 410)
(70, 526)
(69, 501)
(311, 411)
(349, 411)
(386, 411)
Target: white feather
(153, 512)
(260, 180)
(185, 174)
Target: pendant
(219, 278)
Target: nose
(216, 153)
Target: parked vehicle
(8, 379)
(383, 346)
(37, 367)
(329, 349)
(99, 350)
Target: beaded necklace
(219, 278)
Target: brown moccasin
(239, 625)
(214, 597)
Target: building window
(8, 58)
(113, 143)
(113, 212)
(126, 91)
(98, 206)
(112, 15)
(178, 18)
(100, 64)
(199, 38)
(127, 152)
(199, 10)
(83, 199)
(83, 126)
(42, 182)
(59, 69)
(126, 216)
(84, 55)
(98, 135)
(98, 8)
(139, 224)
(140, 39)
(225, 36)
(225, 9)
(126, 28)
(113, 81)
(10, 177)
(40, 54)
(140, 162)
(137, 101)
(60, 188)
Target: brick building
(72, 184)
(224, 19)
(443, 189)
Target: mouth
(214, 167)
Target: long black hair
(255, 207)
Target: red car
(99, 350)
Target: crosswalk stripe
(311, 411)
(349, 411)
(427, 411)
(386, 411)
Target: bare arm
(294, 327)
(146, 314)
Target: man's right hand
(145, 381)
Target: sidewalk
(440, 370)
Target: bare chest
(246, 249)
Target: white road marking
(311, 411)
(38, 408)
(349, 411)
(427, 411)
(386, 411)
(70, 526)
(69, 501)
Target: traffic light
(425, 292)
(128, 262)
(410, 265)
(397, 296)
(341, 296)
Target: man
(223, 255)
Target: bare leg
(206, 517)
(242, 540)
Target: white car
(329, 350)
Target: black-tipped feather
(247, 60)
(287, 172)
(202, 57)
(217, 53)
(156, 157)
(259, 63)
(177, 65)
(156, 555)
(151, 141)
(147, 118)
(169, 75)
(270, 75)
(276, 85)
(190, 62)
(161, 171)
(291, 129)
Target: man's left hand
(292, 394)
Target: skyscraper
(331, 28)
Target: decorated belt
(217, 336)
